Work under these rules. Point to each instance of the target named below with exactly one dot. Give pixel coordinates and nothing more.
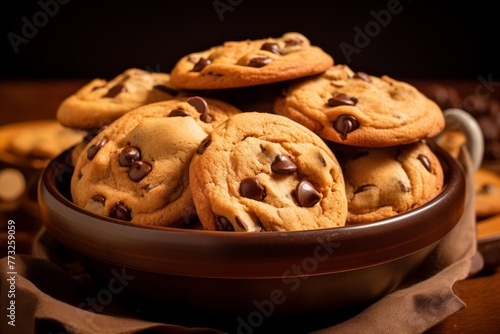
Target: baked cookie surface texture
(136, 169)
(264, 172)
(384, 182)
(354, 108)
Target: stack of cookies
(305, 144)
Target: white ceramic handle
(458, 119)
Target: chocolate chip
(241, 223)
(139, 170)
(251, 188)
(271, 47)
(404, 188)
(259, 62)
(201, 64)
(128, 155)
(178, 113)
(99, 198)
(223, 224)
(198, 103)
(364, 187)
(425, 161)
(115, 90)
(486, 188)
(204, 144)
(306, 194)
(341, 100)
(206, 118)
(345, 124)
(165, 89)
(363, 76)
(93, 149)
(283, 165)
(92, 133)
(120, 211)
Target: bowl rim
(241, 255)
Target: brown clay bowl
(240, 281)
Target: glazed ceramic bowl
(230, 277)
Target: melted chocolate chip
(241, 223)
(283, 165)
(139, 170)
(223, 224)
(99, 198)
(341, 100)
(93, 149)
(271, 47)
(251, 188)
(128, 155)
(178, 113)
(206, 118)
(259, 62)
(92, 133)
(306, 194)
(201, 64)
(199, 104)
(425, 161)
(165, 89)
(120, 211)
(345, 124)
(115, 90)
(404, 188)
(204, 144)
(363, 76)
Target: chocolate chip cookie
(42, 140)
(487, 184)
(354, 108)
(384, 182)
(265, 172)
(101, 102)
(250, 62)
(136, 169)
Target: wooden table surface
(23, 100)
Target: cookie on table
(383, 182)
(354, 108)
(136, 168)
(101, 102)
(487, 184)
(265, 172)
(452, 141)
(42, 139)
(250, 62)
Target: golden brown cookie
(250, 62)
(357, 109)
(384, 182)
(264, 172)
(42, 140)
(207, 112)
(487, 184)
(100, 102)
(136, 169)
(452, 141)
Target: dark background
(88, 39)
